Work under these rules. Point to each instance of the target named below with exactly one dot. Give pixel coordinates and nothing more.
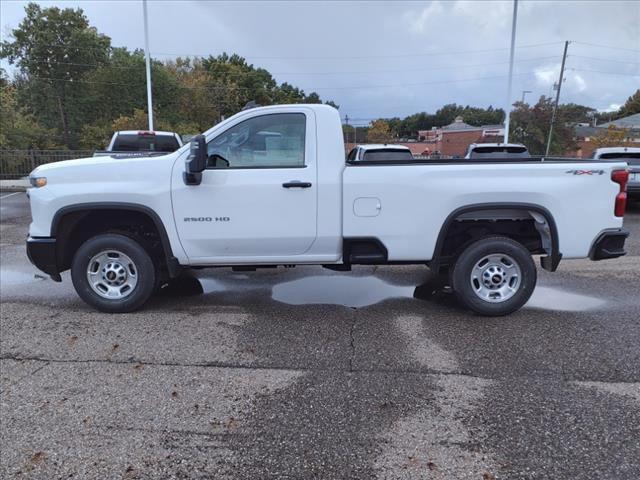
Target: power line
(607, 46)
(604, 59)
(364, 87)
(225, 66)
(229, 87)
(307, 57)
(395, 55)
(106, 65)
(404, 70)
(605, 73)
(83, 81)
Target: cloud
(579, 82)
(419, 23)
(548, 75)
(614, 107)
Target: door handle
(296, 184)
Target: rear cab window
(499, 152)
(387, 155)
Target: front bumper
(609, 244)
(42, 253)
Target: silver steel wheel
(496, 278)
(112, 274)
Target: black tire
(465, 289)
(145, 272)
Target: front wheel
(113, 273)
(494, 276)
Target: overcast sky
(394, 58)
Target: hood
(94, 164)
(105, 168)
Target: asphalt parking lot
(307, 373)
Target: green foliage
(18, 129)
(611, 137)
(631, 106)
(379, 132)
(52, 48)
(409, 126)
(530, 126)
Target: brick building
(454, 139)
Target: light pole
(524, 92)
(513, 44)
(148, 62)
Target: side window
(275, 140)
(352, 155)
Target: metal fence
(19, 163)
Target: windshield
(149, 143)
(499, 152)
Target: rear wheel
(494, 276)
(113, 273)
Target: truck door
(258, 196)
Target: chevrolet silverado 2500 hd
(270, 186)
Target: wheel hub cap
(112, 274)
(496, 278)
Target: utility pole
(346, 130)
(524, 92)
(148, 62)
(513, 44)
(555, 106)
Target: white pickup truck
(270, 186)
(144, 143)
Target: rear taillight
(621, 177)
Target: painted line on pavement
(7, 196)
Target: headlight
(38, 181)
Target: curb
(16, 185)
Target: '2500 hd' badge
(207, 219)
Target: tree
(379, 132)
(631, 106)
(611, 137)
(54, 49)
(18, 129)
(530, 126)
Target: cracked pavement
(307, 373)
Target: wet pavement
(308, 373)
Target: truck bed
(466, 161)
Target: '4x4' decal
(585, 172)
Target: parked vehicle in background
(380, 152)
(496, 150)
(141, 143)
(270, 186)
(631, 155)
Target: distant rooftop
(632, 121)
(459, 125)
